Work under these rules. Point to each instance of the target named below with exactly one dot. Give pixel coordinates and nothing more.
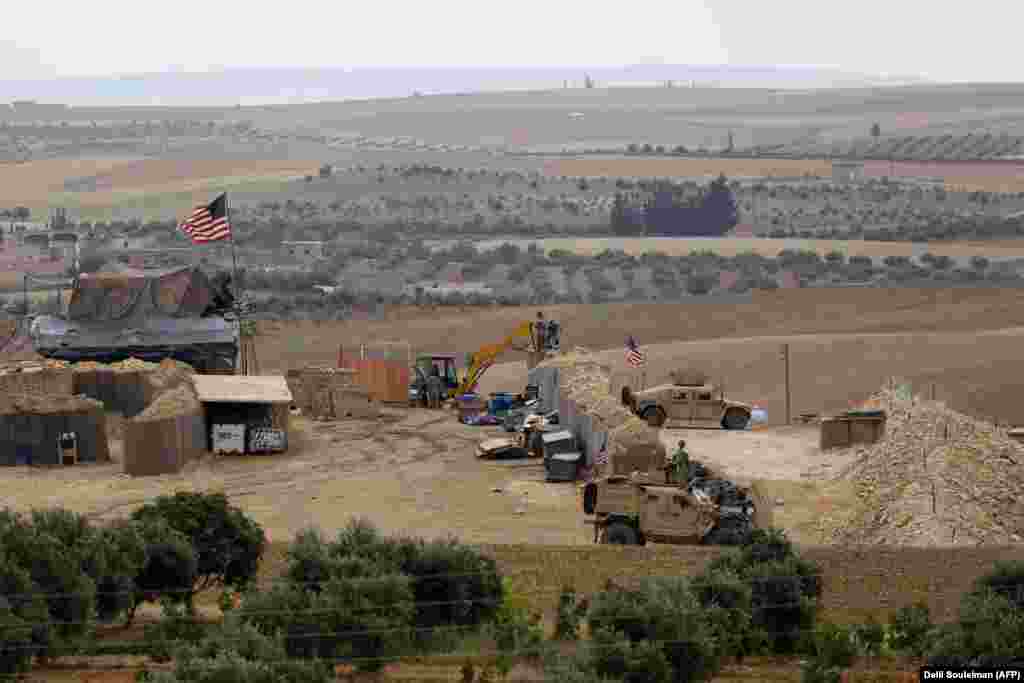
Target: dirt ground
(414, 472)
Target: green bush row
(60, 576)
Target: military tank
(182, 313)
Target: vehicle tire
(730, 530)
(589, 498)
(735, 420)
(655, 417)
(620, 533)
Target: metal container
(229, 438)
(563, 466)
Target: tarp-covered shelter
(133, 295)
(114, 316)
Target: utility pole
(785, 360)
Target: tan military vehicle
(638, 509)
(690, 406)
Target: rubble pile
(937, 477)
(586, 382)
(180, 400)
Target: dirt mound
(937, 477)
(180, 400)
(585, 381)
(46, 404)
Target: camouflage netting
(586, 382)
(104, 297)
(937, 477)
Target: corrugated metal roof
(242, 389)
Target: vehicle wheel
(655, 417)
(730, 530)
(735, 420)
(620, 533)
(589, 499)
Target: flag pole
(243, 351)
(234, 259)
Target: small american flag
(208, 223)
(601, 459)
(634, 356)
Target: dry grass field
(39, 184)
(845, 343)
(693, 168)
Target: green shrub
(361, 619)
(25, 629)
(175, 629)
(833, 649)
(453, 584)
(665, 612)
(784, 589)
(170, 567)
(989, 632)
(620, 659)
(910, 628)
(1006, 579)
(56, 573)
(570, 614)
(227, 543)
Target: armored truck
(690, 406)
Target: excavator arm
(485, 357)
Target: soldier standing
(434, 388)
(680, 464)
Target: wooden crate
(835, 433)
(866, 429)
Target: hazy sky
(904, 37)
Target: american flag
(208, 223)
(634, 356)
(602, 458)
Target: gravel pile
(936, 478)
(586, 381)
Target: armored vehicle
(182, 314)
(691, 406)
(638, 509)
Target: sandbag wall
(168, 434)
(331, 393)
(611, 438)
(53, 378)
(31, 426)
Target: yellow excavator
(532, 337)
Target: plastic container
(501, 402)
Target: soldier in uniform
(434, 389)
(679, 464)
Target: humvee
(636, 509)
(700, 406)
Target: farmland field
(102, 182)
(687, 167)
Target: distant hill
(257, 86)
